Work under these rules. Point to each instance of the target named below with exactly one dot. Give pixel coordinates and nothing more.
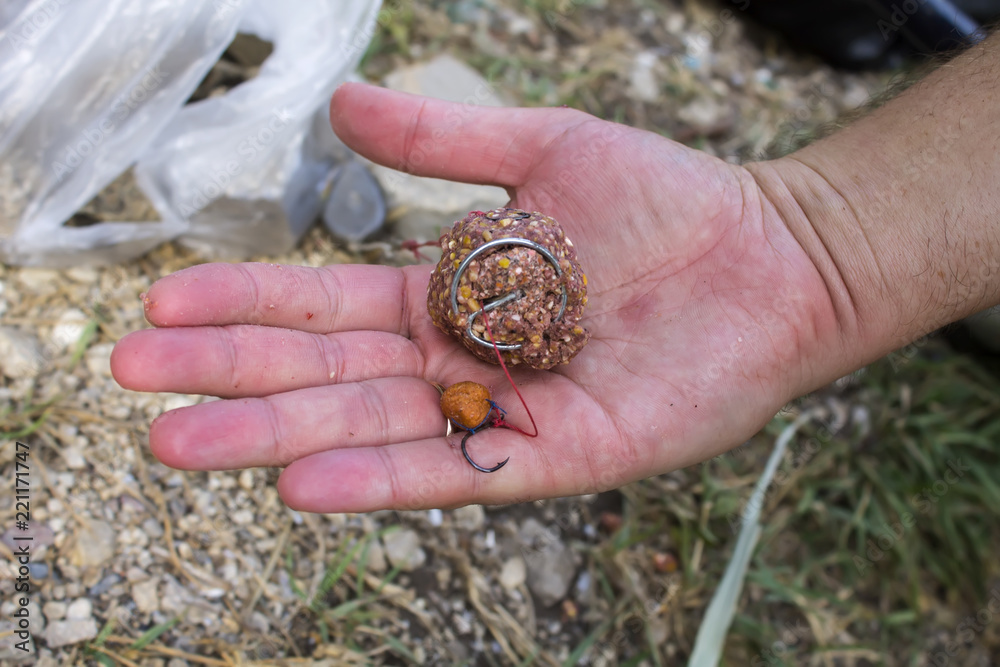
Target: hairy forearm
(900, 212)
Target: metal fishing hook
(475, 465)
(507, 298)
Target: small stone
(73, 458)
(243, 517)
(95, 544)
(470, 517)
(83, 274)
(20, 354)
(69, 328)
(64, 633)
(376, 557)
(402, 548)
(175, 401)
(664, 562)
(643, 83)
(39, 281)
(610, 521)
(152, 528)
(79, 609)
(103, 586)
(174, 599)
(98, 359)
(38, 570)
(706, 116)
(513, 573)
(145, 596)
(435, 517)
(54, 611)
(550, 563)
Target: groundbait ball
(467, 404)
(520, 270)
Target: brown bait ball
(532, 318)
(466, 403)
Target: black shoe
(873, 34)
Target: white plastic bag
(244, 172)
(92, 85)
(85, 86)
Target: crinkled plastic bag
(245, 172)
(89, 86)
(85, 87)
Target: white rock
(98, 359)
(83, 274)
(703, 114)
(180, 401)
(145, 596)
(376, 557)
(402, 548)
(54, 611)
(74, 458)
(643, 82)
(174, 599)
(246, 481)
(63, 633)
(435, 517)
(550, 563)
(430, 203)
(445, 78)
(470, 517)
(243, 517)
(513, 573)
(69, 327)
(41, 281)
(80, 608)
(95, 544)
(20, 354)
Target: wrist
(900, 213)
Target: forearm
(900, 212)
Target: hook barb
(465, 453)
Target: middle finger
(247, 360)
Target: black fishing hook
(475, 465)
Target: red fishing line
(499, 419)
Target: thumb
(459, 142)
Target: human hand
(706, 317)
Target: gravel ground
(210, 568)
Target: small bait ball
(466, 403)
(547, 334)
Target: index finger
(344, 297)
(460, 142)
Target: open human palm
(705, 314)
